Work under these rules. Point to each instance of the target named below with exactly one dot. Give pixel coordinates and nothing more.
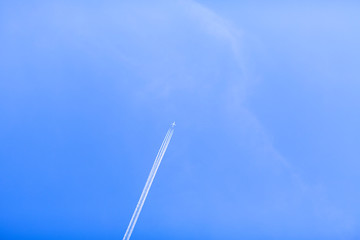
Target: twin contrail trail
(149, 181)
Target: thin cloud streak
(148, 184)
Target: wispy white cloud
(238, 90)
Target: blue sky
(265, 96)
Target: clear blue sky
(265, 97)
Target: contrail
(149, 181)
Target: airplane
(173, 124)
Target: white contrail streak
(149, 181)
